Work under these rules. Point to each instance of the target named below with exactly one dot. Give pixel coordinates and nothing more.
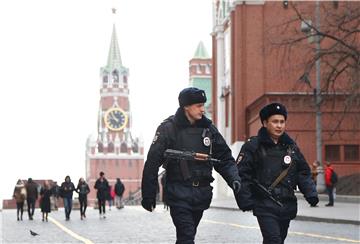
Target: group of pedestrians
(25, 192)
(106, 192)
(31, 191)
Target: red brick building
(114, 150)
(249, 72)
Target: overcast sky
(51, 52)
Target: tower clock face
(115, 119)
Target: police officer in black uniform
(188, 190)
(263, 158)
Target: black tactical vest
(271, 163)
(192, 139)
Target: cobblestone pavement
(135, 225)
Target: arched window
(123, 147)
(111, 147)
(105, 78)
(207, 69)
(100, 147)
(135, 147)
(115, 75)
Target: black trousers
(273, 230)
(186, 222)
(101, 204)
(330, 192)
(30, 206)
(83, 205)
(20, 209)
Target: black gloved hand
(236, 186)
(148, 203)
(247, 208)
(312, 201)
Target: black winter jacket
(67, 189)
(102, 188)
(181, 193)
(83, 189)
(119, 188)
(260, 158)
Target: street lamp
(305, 27)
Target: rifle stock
(266, 192)
(187, 155)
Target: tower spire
(114, 57)
(201, 52)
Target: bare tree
(339, 52)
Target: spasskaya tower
(113, 149)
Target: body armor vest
(195, 140)
(271, 164)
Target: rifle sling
(280, 177)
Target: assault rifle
(184, 156)
(187, 155)
(267, 193)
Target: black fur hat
(191, 95)
(271, 109)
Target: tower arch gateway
(113, 149)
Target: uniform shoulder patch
(240, 157)
(156, 137)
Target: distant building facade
(113, 149)
(247, 75)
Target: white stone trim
(201, 76)
(255, 2)
(112, 94)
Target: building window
(351, 152)
(100, 147)
(105, 79)
(123, 147)
(332, 153)
(198, 69)
(207, 69)
(115, 75)
(111, 147)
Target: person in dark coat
(261, 160)
(66, 192)
(45, 205)
(102, 187)
(19, 195)
(32, 195)
(188, 189)
(83, 190)
(55, 192)
(119, 191)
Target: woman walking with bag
(19, 196)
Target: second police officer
(188, 194)
(272, 160)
